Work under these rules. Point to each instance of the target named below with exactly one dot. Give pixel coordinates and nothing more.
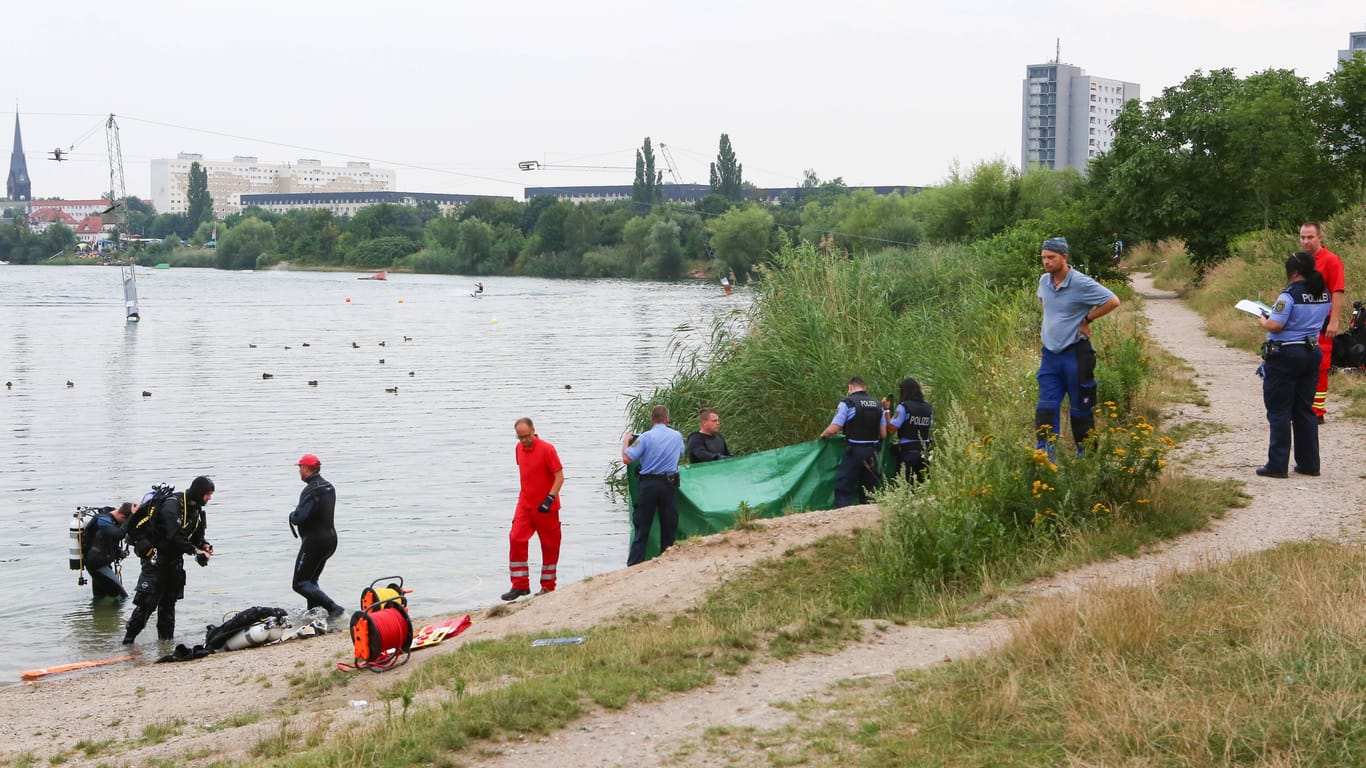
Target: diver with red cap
(312, 523)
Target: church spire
(17, 186)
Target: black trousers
(308, 568)
(911, 460)
(858, 474)
(657, 496)
(1288, 394)
(160, 584)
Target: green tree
(474, 249)
(379, 252)
(58, 238)
(166, 224)
(200, 203)
(1342, 113)
(713, 205)
(1217, 156)
(387, 220)
(727, 174)
(635, 243)
(740, 239)
(550, 227)
(492, 211)
(244, 243)
(202, 233)
(580, 228)
(666, 251)
(648, 186)
(443, 232)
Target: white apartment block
(1068, 115)
(1356, 43)
(228, 181)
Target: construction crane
(536, 165)
(118, 191)
(117, 210)
(669, 162)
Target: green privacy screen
(794, 478)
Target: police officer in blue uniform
(861, 418)
(657, 451)
(1291, 370)
(912, 420)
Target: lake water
(426, 480)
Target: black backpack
(142, 524)
(1349, 349)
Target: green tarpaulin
(794, 478)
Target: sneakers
(514, 593)
(1265, 471)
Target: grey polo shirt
(1065, 307)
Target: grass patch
(249, 717)
(93, 747)
(309, 684)
(284, 741)
(156, 733)
(1255, 662)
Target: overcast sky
(453, 94)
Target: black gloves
(545, 505)
(202, 559)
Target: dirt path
(213, 697)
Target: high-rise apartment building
(1068, 115)
(228, 181)
(1356, 43)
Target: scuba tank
(260, 633)
(75, 535)
(73, 550)
(256, 634)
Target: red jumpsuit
(538, 466)
(1334, 279)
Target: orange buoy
(34, 674)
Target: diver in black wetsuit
(104, 548)
(317, 535)
(179, 526)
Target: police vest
(1299, 290)
(865, 423)
(916, 427)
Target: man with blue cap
(1071, 302)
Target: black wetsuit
(703, 447)
(317, 541)
(179, 531)
(104, 549)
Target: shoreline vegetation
(1253, 661)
